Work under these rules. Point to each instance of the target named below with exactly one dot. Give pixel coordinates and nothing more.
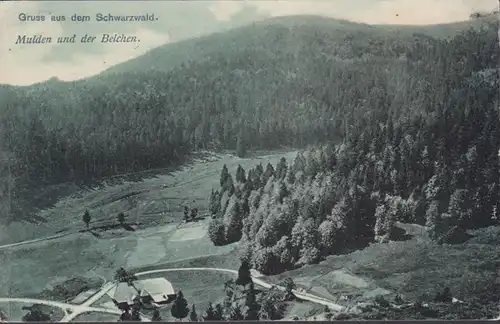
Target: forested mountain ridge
(288, 34)
(323, 79)
(429, 155)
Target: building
(149, 291)
(158, 290)
(123, 295)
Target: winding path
(47, 238)
(68, 309)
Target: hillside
(436, 168)
(322, 73)
(283, 33)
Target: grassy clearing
(304, 311)
(229, 260)
(155, 199)
(201, 287)
(204, 287)
(415, 269)
(69, 289)
(83, 255)
(198, 287)
(95, 317)
(31, 270)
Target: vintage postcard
(307, 160)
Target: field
(44, 264)
(150, 198)
(415, 269)
(94, 316)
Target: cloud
(22, 66)
(410, 12)
(178, 20)
(12, 27)
(225, 10)
(424, 12)
(27, 64)
(114, 54)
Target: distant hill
(290, 81)
(286, 33)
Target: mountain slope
(289, 34)
(438, 168)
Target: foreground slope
(416, 269)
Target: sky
(176, 20)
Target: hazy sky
(26, 64)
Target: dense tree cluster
(247, 304)
(322, 77)
(36, 314)
(436, 164)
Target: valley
(77, 261)
(314, 169)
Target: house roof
(155, 287)
(122, 292)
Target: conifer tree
(252, 306)
(121, 218)
(241, 145)
(281, 168)
(240, 174)
(244, 274)
(267, 174)
(210, 314)
(193, 316)
(180, 307)
(217, 232)
(219, 312)
(86, 218)
(235, 313)
(223, 175)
